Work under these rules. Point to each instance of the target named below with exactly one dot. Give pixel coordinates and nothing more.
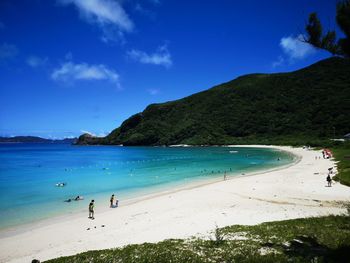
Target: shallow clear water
(29, 172)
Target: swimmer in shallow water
(78, 198)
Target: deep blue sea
(29, 174)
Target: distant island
(34, 139)
(283, 108)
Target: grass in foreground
(323, 239)
(342, 156)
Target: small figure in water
(278, 159)
(91, 209)
(329, 180)
(78, 198)
(225, 176)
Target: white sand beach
(295, 191)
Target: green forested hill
(313, 102)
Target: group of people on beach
(92, 206)
(326, 153)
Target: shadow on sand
(309, 249)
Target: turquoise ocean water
(29, 173)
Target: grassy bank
(342, 156)
(324, 239)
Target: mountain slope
(34, 139)
(311, 102)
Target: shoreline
(256, 197)
(146, 195)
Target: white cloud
(295, 48)
(103, 134)
(279, 62)
(70, 72)
(91, 133)
(161, 57)
(109, 15)
(7, 51)
(35, 61)
(100, 134)
(153, 92)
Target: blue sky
(72, 66)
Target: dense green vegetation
(307, 106)
(328, 41)
(342, 155)
(324, 239)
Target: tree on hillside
(328, 41)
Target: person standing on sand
(91, 209)
(329, 180)
(112, 200)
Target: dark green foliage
(342, 155)
(314, 30)
(219, 237)
(307, 106)
(324, 239)
(343, 17)
(88, 139)
(343, 20)
(317, 39)
(329, 41)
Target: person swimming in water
(78, 198)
